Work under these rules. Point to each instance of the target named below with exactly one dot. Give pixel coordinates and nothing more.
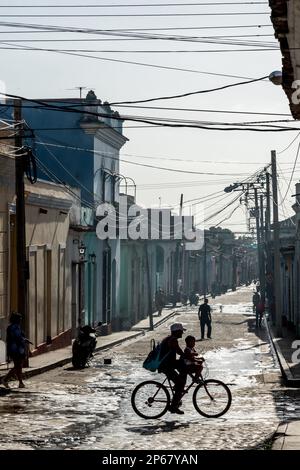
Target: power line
(142, 35)
(134, 15)
(229, 216)
(156, 125)
(95, 196)
(140, 164)
(147, 107)
(291, 143)
(197, 198)
(202, 110)
(157, 121)
(251, 177)
(135, 5)
(137, 35)
(182, 95)
(162, 108)
(150, 38)
(55, 29)
(162, 187)
(56, 180)
(292, 174)
(212, 216)
(160, 120)
(130, 62)
(144, 51)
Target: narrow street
(90, 409)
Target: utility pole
(182, 246)
(204, 268)
(149, 288)
(262, 249)
(268, 222)
(258, 234)
(259, 219)
(22, 265)
(277, 273)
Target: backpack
(153, 360)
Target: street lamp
(232, 187)
(276, 77)
(81, 248)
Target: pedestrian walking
(204, 315)
(16, 344)
(160, 300)
(255, 300)
(260, 308)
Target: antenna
(80, 88)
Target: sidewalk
(284, 351)
(60, 357)
(287, 436)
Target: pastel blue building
(79, 150)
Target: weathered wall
(7, 176)
(49, 286)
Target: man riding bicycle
(173, 368)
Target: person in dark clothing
(204, 315)
(191, 358)
(172, 367)
(255, 300)
(260, 308)
(160, 300)
(15, 341)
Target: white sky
(45, 74)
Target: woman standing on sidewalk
(15, 342)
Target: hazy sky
(49, 74)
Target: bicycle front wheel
(212, 398)
(150, 399)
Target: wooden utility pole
(204, 268)
(258, 234)
(22, 265)
(149, 288)
(277, 273)
(268, 222)
(262, 249)
(182, 244)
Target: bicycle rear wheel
(150, 399)
(212, 398)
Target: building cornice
(49, 202)
(106, 134)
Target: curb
(285, 370)
(61, 362)
(279, 436)
(158, 323)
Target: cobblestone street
(91, 409)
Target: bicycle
(151, 399)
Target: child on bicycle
(192, 362)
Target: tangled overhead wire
(30, 165)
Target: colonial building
(79, 150)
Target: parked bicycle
(151, 399)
